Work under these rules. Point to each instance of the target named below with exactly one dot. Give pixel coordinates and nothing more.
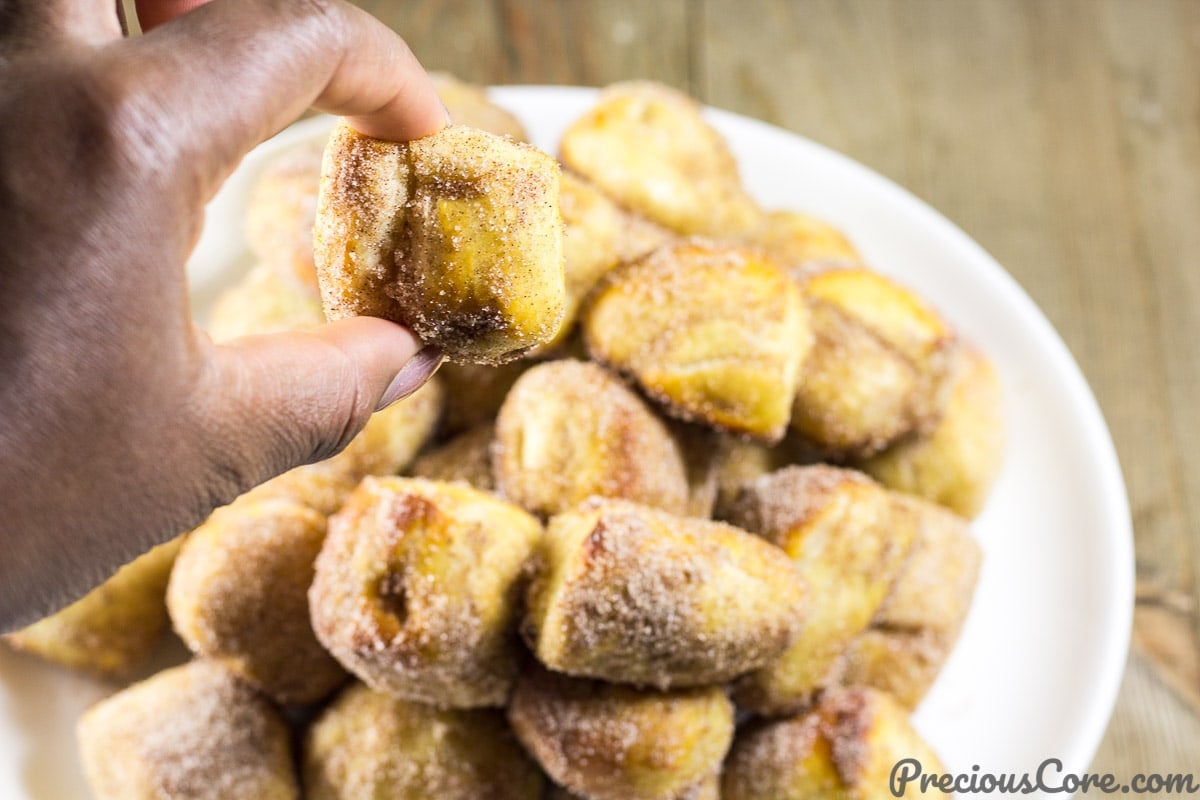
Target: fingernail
(412, 376)
(446, 109)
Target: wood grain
(1063, 135)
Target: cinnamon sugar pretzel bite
(716, 333)
(843, 749)
(239, 595)
(569, 430)
(628, 594)
(190, 733)
(457, 235)
(608, 742)
(370, 745)
(417, 587)
(879, 367)
(648, 147)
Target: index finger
(222, 78)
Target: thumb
(270, 403)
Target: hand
(121, 424)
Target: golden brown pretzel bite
(190, 733)
(417, 588)
(844, 749)
(804, 244)
(648, 147)
(371, 745)
(570, 429)
(468, 104)
(714, 332)
(467, 457)
(609, 742)
(956, 462)
(263, 302)
(848, 541)
(628, 594)
(239, 595)
(457, 236)
(280, 214)
(879, 367)
(918, 623)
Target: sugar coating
(629, 594)
(457, 235)
(649, 147)
(190, 733)
(716, 333)
(239, 595)
(609, 742)
(417, 586)
(845, 746)
(371, 745)
(569, 430)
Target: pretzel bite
(282, 208)
(918, 623)
(715, 333)
(114, 628)
(848, 541)
(457, 235)
(629, 594)
(879, 368)
(956, 463)
(417, 586)
(190, 733)
(239, 595)
(569, 430)
(707, 789)
(844, 749)
(371, 745)
(280, 214)
(648, 147)
(468, 104)
(475, 392)
(598, 235)
(263, 302)
(804, 244)
(386, 445)
(608, 742)
(467, 457)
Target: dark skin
(121, 423)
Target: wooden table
(1064, 135)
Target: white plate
(1037, 668)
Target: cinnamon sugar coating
(716, 333)
(879, 367)
(569, 430)
(957, 461)
(239, 595)
(458, 236)
(467, 457)
(370, 745)
(417, 589)
(608, 742)
(918, 623)
(649, 147)
(848, 541)
(628, 594)
(193, 732)
(846, 747)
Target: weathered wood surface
(1063, 135)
